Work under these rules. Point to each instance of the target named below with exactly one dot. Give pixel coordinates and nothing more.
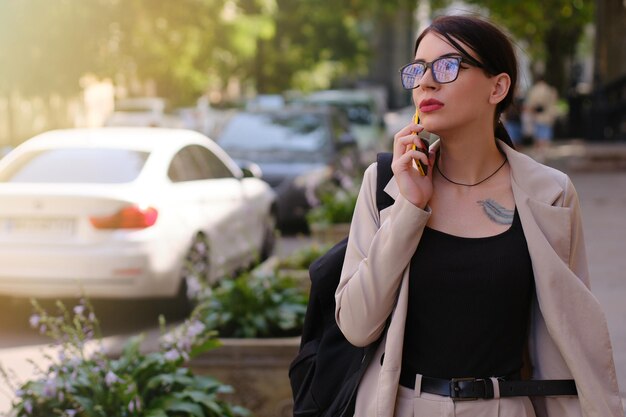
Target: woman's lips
(429, 105)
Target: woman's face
(448, 106)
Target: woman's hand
(413, 186)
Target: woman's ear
(501, 85)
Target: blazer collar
(529, 176)
(538, 181)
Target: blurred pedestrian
(512, 119)
(476, 276)
(541, 105)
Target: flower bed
(134, 383)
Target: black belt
(475, 388)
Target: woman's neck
(467, 159)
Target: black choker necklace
(470, 185)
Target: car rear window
(294, 132)
(76, 165)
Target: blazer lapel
(536, 197)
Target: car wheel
(195, 274)
(269, 236)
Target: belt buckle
(455, 389)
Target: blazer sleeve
(376, 256)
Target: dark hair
(493, 48)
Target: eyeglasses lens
(411, 74)
(445, 70)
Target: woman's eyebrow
(448, 55)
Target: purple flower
(79, 310)
(193, 286)
(50, 388)
(134, 405)
(34, 320)
(195, 328)
(172, 355)
(28, 406)
(70, 412)
(111, 378)
(168, 339)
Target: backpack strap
(383, 175)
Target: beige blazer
(568, 337)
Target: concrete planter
(258, 371)
(329, 233)
(300, 275)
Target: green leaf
(85, 403)
(207, 383)
(203, 398)
(204, 347)
(186, 407)
(155, 413)
(170, 380)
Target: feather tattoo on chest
(496, 212)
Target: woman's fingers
(409, 131)
(408, 148)
(403, 143)
(404, 162)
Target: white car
(126, 213)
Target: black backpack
(326, 372)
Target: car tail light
(130, 217)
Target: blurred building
(392, 36)
(607, 104)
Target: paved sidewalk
(598, 172)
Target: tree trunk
(559, 52)
(392, 46)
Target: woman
(478, 269)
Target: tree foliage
(188, 47)
(551, 29)
(46, 46)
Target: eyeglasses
(444, 70)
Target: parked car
(365, 109)
(297, 150)
(126, 213)
(143, 112)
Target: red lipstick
(430, 104)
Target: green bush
(255, 305)
(336, 206)
(303, 258)
(78, 384)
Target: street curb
(577, 155)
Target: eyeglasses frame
(461, 59)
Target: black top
(469, 302)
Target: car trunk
(46, 214)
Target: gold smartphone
(423, 169)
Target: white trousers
(414, 403)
